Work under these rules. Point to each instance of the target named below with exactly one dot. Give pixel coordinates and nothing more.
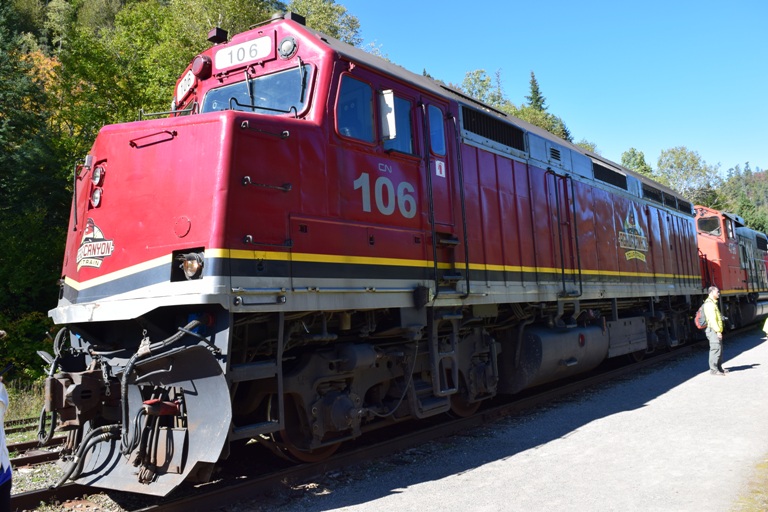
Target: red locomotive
(733, 258)
(316, 243)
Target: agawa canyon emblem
(94, 247)
(632, 238)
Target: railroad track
(21, 425)
(212, 496)
(30, 453)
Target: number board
(245, 53)
(185, 85)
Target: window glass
(279, 93)
(710, 225)
(436, 130)
(729, 228)
(403, 141)
(354, 111)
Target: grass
(26, 400)
(755, 498)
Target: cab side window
(354, 110)
(403, 141)
(436, 131)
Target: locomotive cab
(733, 258)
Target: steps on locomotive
(423, 400)
(254, 430)
(445, 355)
(255, 371)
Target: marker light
(96, 197)
(287, 47)
(201, 67)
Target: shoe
(725, 371)
(720, 374)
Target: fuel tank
(546, 354)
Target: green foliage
(330, 18)
(35, 203)
(26, 335)
(544, 119)
(588, 146)
(59, 18)
(535, 100)
(98, 15)
(686, 172)
(26, 399)
(745, 192)
(480, 86)
(635, 160)
(27, 16)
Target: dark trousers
(5, 496)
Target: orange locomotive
(316, 243)
(733, 258)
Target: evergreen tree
(536, 100)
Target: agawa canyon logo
(94, 247)
(632, 238)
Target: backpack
(700, 320)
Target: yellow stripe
(358, 260)
(147, 265)
(364, 260)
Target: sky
(651, 75)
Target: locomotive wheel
(294, 440)
(299, 454)
(461, 408)
(460, 405)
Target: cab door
(449, 251)
(438, 162)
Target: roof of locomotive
(437, 88)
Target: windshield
(278, 93)
(710, 225)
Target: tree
(635, 160)
(481, 87)
(589, 146)
(545, 120)
(330, 18)
(535, 99)
(687, 173)
(59, 17)
(535, 112)
(99, 15)
(35, 201)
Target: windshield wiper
(303, 77)
(248, 86)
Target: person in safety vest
(714, 332)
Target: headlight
(192, 264)
(98, 175)
(96, 197)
